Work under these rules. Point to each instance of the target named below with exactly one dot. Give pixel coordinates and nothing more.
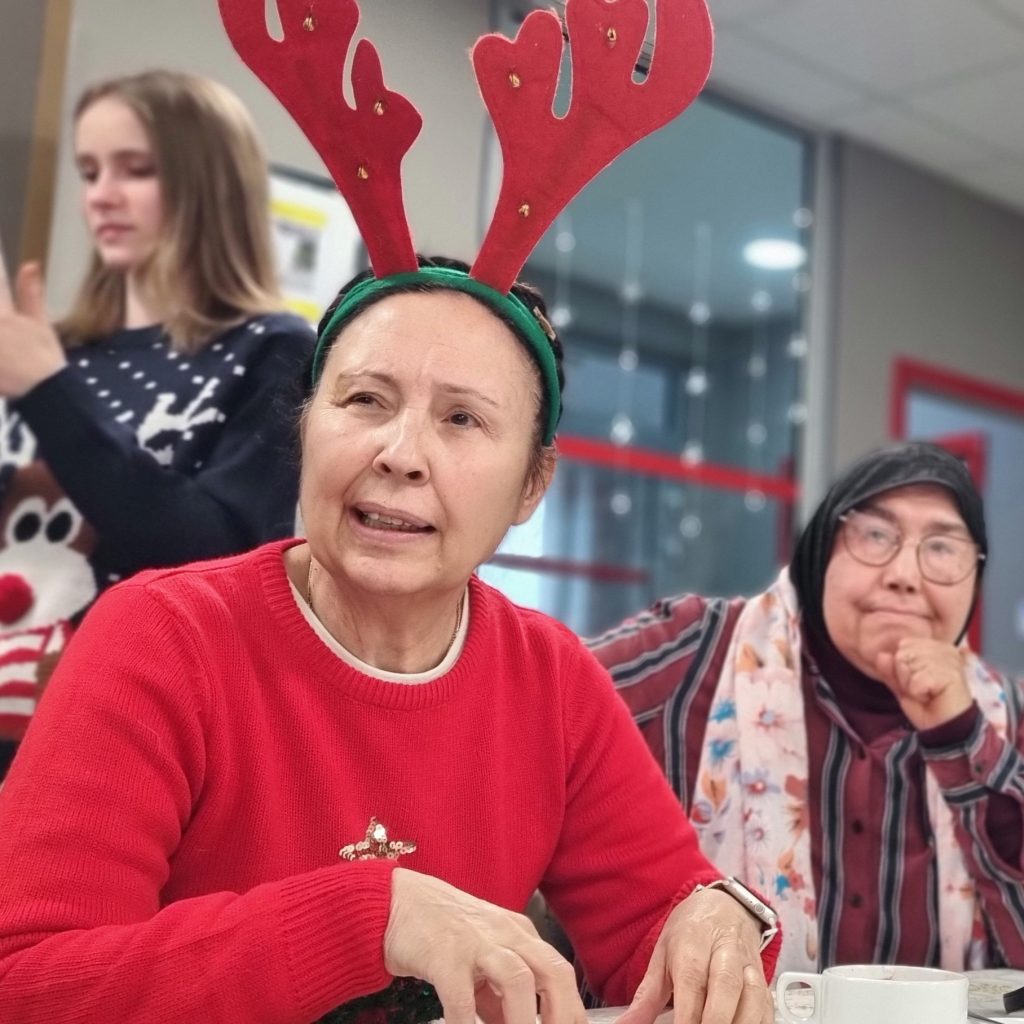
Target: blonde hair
(213, 266)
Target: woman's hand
(707, 962)
(480, 958)
(30, 350)
(927, 676)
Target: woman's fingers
(488, 1004)
(511, 978)
(755, 1006)
(737, 992)
(471, 950)
(759, 983)
(29, 292)
(655, 990)
(690, 991)
(724, 990)
(523, 972)
(556, 985)
(457, 993)
(506, 984)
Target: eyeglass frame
(979, 555)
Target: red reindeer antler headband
(547, 158)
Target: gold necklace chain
(458, 610)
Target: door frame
(909, 374)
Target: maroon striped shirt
(872, 846)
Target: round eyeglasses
(943, 558)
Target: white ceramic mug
(877, 994)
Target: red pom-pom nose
(16, 597)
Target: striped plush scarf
(752, 784)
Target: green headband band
(529, 324)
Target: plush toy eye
(26, 526)
(59, 527)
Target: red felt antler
(548, 159)
(363, 146)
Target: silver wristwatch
(751, 902)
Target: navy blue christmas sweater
(135, 456)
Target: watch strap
(750, 902)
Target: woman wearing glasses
(834, 739)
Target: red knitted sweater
(169, 832)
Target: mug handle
(784, 982)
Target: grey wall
(424, 51)
(22, 32)
(922, 269)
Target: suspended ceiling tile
(990, 106)
(759, 73)
(914, 139)
(887, 46)
(725, 12)
(1010, 11)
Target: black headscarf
(910, 462)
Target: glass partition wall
(678, 282)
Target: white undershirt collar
(408, 678)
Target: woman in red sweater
(283, 786)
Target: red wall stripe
(708, 474)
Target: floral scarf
(750, 805)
